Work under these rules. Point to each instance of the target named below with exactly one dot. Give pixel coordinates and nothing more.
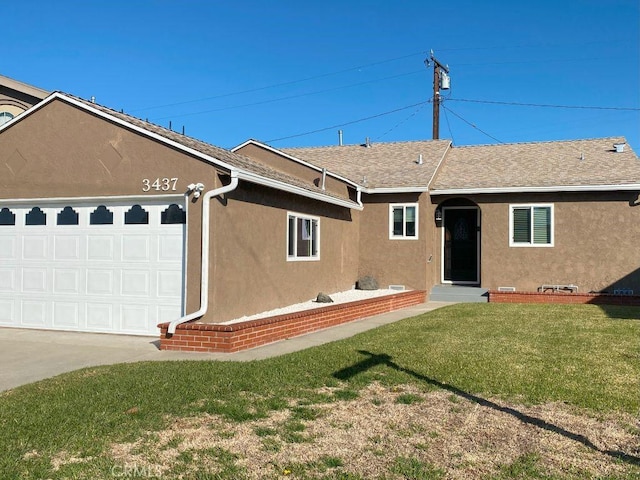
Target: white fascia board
(267, 182)
(556, 189)
(381, 190)
(293, 159)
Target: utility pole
(440, 80)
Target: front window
(531, 225)
(303, 237)
(403, 221)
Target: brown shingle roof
(230, 158)
(384, 165)
(576, 163)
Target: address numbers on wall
(159, 184)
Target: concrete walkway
(30, 355)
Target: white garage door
(92, 267)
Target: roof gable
(247, 169)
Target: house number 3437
(159, 184)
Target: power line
(291, 82)
(471, 124)
(279, 99)
(543, 105)
(413, 114)
(346, 123)
(446, 117)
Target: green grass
(583, 355)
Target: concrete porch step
(458, 293)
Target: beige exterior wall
(249, 252)
(595, 243)
(393, 261)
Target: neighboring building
(16, 97)
(112, 224)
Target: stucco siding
(395, 261)
(251, 273)
(594, 244)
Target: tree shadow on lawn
(374, 360)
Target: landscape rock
(323, 298)
(367, 283)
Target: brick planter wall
(563, 298)
(203, 337)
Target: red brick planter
(563, 298)
(205, 337)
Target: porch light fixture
(438, 216)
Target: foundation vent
(397, 287)
(623, 291)
(506, 289)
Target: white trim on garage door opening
(79, 272)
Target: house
(109, 223)
(515, 216)
(112, 224)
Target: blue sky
(277, 70)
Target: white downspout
(204, 289)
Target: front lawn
(468, 391)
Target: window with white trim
(403, 221)
(531, 225)
(303, 237)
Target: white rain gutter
(204, 288)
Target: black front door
(461, 245)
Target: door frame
(442, 245)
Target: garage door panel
(66, 315)
(7, 312)
(34, 247)
(84, 267)
(99, 317)
(169, 284)
(66, 280)
(66, 248)
(34, 313)
(167, 313)
(135, 283)
(135, 248)
(8, 246)
(8, 279)
(100, 282)
(34, 280)
(170, 245)
(135, 318)
(101, 247)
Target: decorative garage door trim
(94, 266)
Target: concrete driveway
(27, 356)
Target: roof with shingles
(230, 158)
(383, 165)
(574, 163)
